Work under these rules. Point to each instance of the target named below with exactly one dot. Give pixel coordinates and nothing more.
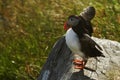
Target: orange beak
(66, 27)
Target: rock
(59, 64)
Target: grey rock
(59, 64)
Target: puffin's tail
(100, 50)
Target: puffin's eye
(71, 19)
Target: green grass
(28, 31)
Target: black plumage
(88, 46)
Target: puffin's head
(73, 20)
(82, 21)
(77, 23)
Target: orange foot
(79, 64)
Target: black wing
(90, 47)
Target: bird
(79, 41)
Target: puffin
(79, 41)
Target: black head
(73, 20)
(78, 24)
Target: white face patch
(73, 21)
(46, 75)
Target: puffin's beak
(66, 26)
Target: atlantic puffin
(79, 41)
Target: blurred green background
(29, 28)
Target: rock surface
(59, 64)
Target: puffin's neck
(78, 31)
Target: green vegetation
(29, 28)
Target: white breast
(73, 42)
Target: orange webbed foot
(79, 64)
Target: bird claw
(79, 64)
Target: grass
(28, 31)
